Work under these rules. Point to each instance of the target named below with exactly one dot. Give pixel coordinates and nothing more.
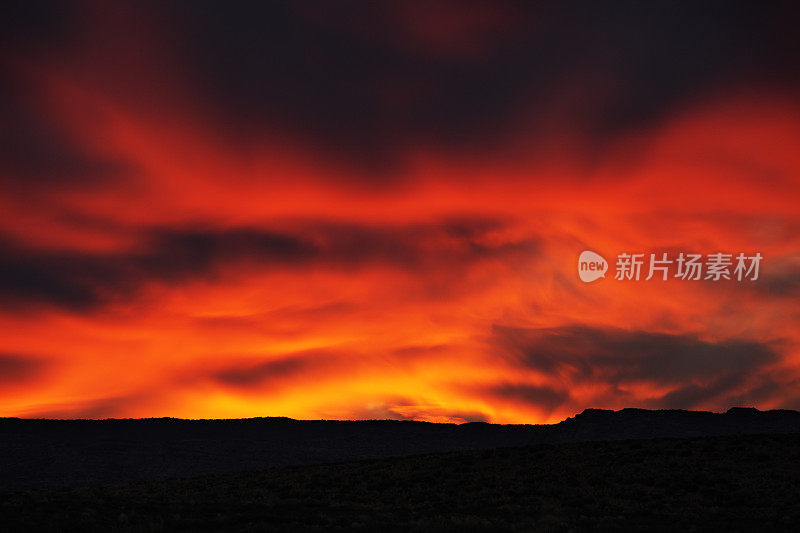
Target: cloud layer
(375, 210)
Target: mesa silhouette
(50, 453)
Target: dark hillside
(38, 453)
(735, 483)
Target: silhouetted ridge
(631, 423)
(74, 452)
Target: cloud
(82, 281)
(270, 373)
(619, 354)
(16, 368)
(544, 397)
(780, 277)
(373, 82)
(104, 407)
(38, 151)
(693, 370)
(33, 23)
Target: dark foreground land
(58, 453)
(733, 483)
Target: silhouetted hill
(602, 424)
(39, 453)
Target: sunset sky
(358, 210)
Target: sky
(372, 210)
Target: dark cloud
(542, 396)
(81, 281)
(369, 81)
(271, 372)
(175, 254)
(36, 23)
(786, 284)
(619, 354)
(697, 370)
(37, 150)
(693, 394)
(29, 278)
(779, 277)
(15, 368)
